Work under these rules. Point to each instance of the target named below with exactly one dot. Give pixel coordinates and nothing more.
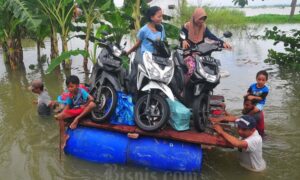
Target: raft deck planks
(167, 133)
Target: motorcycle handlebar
(195, 49)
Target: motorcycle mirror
(124, 45)
(182, 35)
(227, 34)
(104, 33)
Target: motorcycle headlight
(116, 51)
(167, 77)
(209, 77)
(156, 72)
(149, 64)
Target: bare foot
(133, 135)
(74, 124)
(64, 141)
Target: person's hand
(251, 97)
(35, 102)
(185, 44)
(218, 128)
(226, 45)
(214, 120)
(126, 53)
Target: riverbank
(273, 19)
(235, 17)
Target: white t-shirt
(251, 158)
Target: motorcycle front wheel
(201, 111)
(154, 116)
(106, 101)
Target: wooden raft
(166, 133)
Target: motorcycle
(153, 76)
(195, 94)
(106, 78)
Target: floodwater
(29, 143)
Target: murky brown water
(29, 144)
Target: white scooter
(154, 74)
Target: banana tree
(39, 34)
(60, 13)
(15, 16)
(91, 12)
(135, 12)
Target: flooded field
(29, 143)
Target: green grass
(216, 16)
(273, 19)
(223, 17)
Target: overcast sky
(223, 2)
(229, 2)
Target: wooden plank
(167, 133)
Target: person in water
(249, 106)
(153, 30)
(258, 91)
(196, 32)
(44, 102)
(78, 104)
(249, 144)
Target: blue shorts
(260, 106)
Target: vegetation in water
(291, 42)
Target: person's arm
(208, 34)
(90, 99)
(249, 91)
(140, 37)
(136, 45)
(184, 43)
(252, 97)
(231, 139)
(227, 118)
(87, 97)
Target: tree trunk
(54, 43)
(86, 46)
(67, 62)
(293, 7)
(137, 15)
(5, 53)
(19, 51)
(38, 45)
(11, 53)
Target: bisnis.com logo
(116, 172)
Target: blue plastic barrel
(103, 146)
(97, 145)
(166, 155)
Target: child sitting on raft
(78, 104)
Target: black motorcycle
(196, 93)
(107, 77)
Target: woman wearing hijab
(196, 31)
